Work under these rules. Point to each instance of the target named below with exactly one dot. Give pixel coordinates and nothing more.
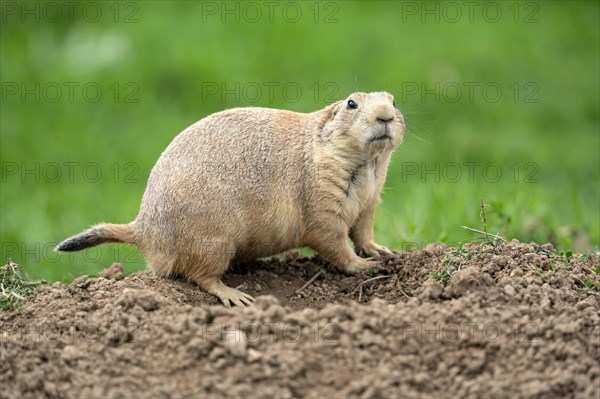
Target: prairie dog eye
(352, 104)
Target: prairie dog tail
(99, 234)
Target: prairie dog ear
(328, 114)
(332, 110)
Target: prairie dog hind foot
(359, 264)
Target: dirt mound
(507, 321)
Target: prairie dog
(247, 183)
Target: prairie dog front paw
(371, 250)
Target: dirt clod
(115, 272)
(510, 320)
(465, 280)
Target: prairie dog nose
(385, 118)
(384, 113)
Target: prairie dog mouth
(382, 133)
(380, 137)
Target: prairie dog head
(368, 122)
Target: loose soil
(511, 320)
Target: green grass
(14, 287)
(442, 275)
(590, 284)
(547, 150)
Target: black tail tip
(79, 242)
(66, 246)
(69, 245)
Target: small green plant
(441, 276)
(14, 288)
(539, 271)
(460, 252)
(486, 238)
(590, 284)
(371, 273)
(465, 253)
(562, 255)
(556, 266)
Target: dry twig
(368, 281)
(484, 233)
(309, 282)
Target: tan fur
(252, 182)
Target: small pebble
(253, 355)
(235, 342)
(509, 290)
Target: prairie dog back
(243, 170)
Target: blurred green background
(501, 101)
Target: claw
(384, 251)
(230, 296)
(373, 250)
(362, 264)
